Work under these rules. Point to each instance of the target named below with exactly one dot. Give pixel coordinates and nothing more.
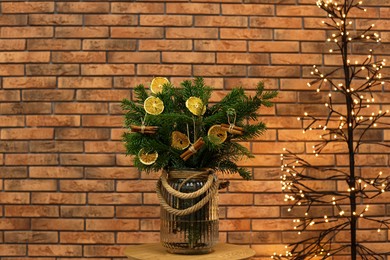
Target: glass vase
(194, 233)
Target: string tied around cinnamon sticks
(193, 149)
(143, 129)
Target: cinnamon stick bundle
(235, 130)
(193, 149)
(144, 129)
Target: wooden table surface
(157, 252)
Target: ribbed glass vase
(197, 232)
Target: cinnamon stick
(236, 130)
(144, 129)
(193, 149)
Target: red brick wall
(68, 190)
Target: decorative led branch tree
(354, 82)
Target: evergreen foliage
(176, 117)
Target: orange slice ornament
(180, 141)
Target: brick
(136, 8)
(158, 45)
(136, 186)
(108, 69)
(34, 237)
(137, 33)
(26, 133)
(11, 70)
(220, 21)
(191, 33)
(13, 20)
(57, 224)
(247, 9)
(275, 71)
(192, 8)
(104, 147)
(31, 159)
(84, 82)
(13, 250)
(219, 70)
(27, 7)
(108, 45)
(7, 121)
(12, 45)
(56, 172)
(138, 237)
(78, 57)
(234, 224)
(134, 57)
(53, 120)
(87, 212)
(53, 44)
(29, 82)
(104, 250)
(26, 32)
(111, 19)
(188, 57)
(275, 22)
(13, 172)
(102, 95)
(24, 57)
(242, 34)
(115, 199)
(242, 58)
(112, 224)
(295, 58)
(235, 199)
(86, 185)
(13, 146)
(219, 45)
(157, 70)
(53, 69)
(54, 250)
(58, 198)
(102, 121)
(31, 211)
(298, 35)
(47, 95)
(80, 107)
(274, 46)
(138, 211)
(14, 198)
(87, 237)
(81, 133)
(165, 20)
(253, 212)
(124, 160)
(30, 185)
(87, 159)
(111, 173)
(14, 223)
(55, 19)
(81, 32)
(9, 95)
(82, 7)
(287, 10)
(56, 146)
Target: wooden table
(157, 252)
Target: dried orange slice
(179, 140)
(147, 158)
(153, 105)
(157, 84)
(216, 134)
(195, 105)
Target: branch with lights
(348, 124)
